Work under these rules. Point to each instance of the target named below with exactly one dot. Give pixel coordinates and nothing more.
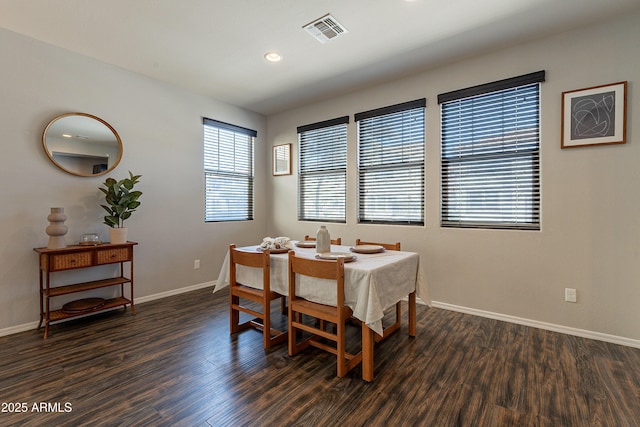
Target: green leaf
(121, 200)
(107, 208)
(111, 221)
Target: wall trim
(175, 292)
(33, 325)
(614, 339)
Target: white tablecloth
(373, 282)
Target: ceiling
(216, 47)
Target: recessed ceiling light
(272, 57)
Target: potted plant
(122, 201)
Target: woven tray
(85, 304)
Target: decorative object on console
(90, 239)
(118, 235)
(56, 228)
(323, 240)
(122, 202)
(83, 305)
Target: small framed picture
(594, 116)
(282, 159)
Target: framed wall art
(282, 159)
(594, 116)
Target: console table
(76, 257)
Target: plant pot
(118, 235)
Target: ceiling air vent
(325, 28)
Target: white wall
(161, 130)
(590, 234)
(590, 204)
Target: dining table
(374, 281)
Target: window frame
(331, 172)
(519, 155)
(381, 162)
(238, 171)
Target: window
(391, 164)
(228, 171)
(322, 172)
(490, 155)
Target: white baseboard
(18, 328)
(614, 339)
(175, 292)
(33, 325)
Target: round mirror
(82, 144)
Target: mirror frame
(72, 172)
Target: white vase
(56, 228)
(118, 235)
(323, 240)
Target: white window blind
(322, 171)
(228, 171)
(391, 164)
(490, 137)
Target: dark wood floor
(174, 363)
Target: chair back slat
(321, 269)
(249, 259)
(389, 246)
(336, 241)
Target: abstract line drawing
(593, 116)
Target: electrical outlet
(570, 295)
(196, 264)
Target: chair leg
(393, 327)
(234, 315)
(412, 314)
(340, 344)
(292, 332)
(266, 323)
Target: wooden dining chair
(338, 314)
(388, 330)
(263, 296)
(388, 246)
(337, 241)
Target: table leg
(47, 315)
(367, 353)
(40, 273)
(412, 314)
(133, 307)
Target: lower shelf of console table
(80, 257)
(61, 314)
